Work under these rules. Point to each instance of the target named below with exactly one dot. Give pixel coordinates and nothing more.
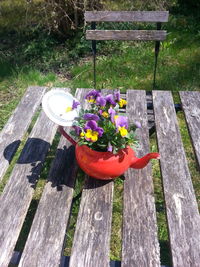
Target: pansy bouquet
(103, 136)
(101, 127)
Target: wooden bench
(157, 35)
(91, 244)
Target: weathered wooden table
(140, 246)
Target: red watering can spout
(139, 163)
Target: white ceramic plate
(55, 102)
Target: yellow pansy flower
(82, 134)
(92, 100)
(122, 102)
(123, 131)
(116, 116)
(105, 114)
(92, 135)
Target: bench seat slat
(15, 128)
(127, 16)
(92, 235)
(17, 195)
(140, 246)
(181, 205)
(45, 241)
(126, 35)
(93, 228)
(191, 106)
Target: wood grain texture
(15, 128)
(140, 245)
(126, 35)
(191, 106)
(125, 16)
(92, 236)
(181, 206)
(93, 228)
(46, 237)
(45, 241)
(17, 195)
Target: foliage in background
(65, 17)
(62, 17)
(139, 5)
(188, 7)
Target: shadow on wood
(10, 150)
(63, 168)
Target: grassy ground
(131, 65)
(37, 59)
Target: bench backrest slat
(129, 35)
(126, 16)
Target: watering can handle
(62, 131)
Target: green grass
(38, 59)
(116, 234)
(74, 212)
(13, 87)
(133, 66)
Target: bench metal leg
(94, 50)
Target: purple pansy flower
(110, 99)
(112, 113)
(77, 129)
(94, 127)
(109, 148)
(90, 116)
(93, 94)
(138, 124)
(75, 104)
(121, 121)
(117, 96)
(101, 101)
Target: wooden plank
(181, 205)
(126, 35)
(125, 16)
(17, 195)
(93, 228)
(51, 219)
(17, 125)
(140, 246)
(92, 236)
(64, 261)
(191, 107)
